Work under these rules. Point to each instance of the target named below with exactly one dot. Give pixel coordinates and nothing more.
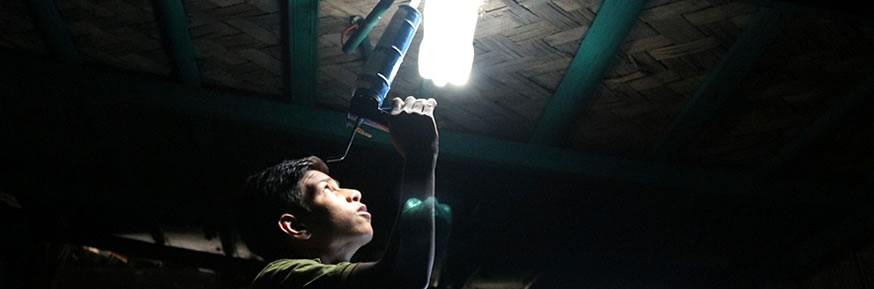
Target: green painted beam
(303, 20)
(54, 30)
(839, 111)
(112, 89)
(173, 21)
(721, 83)
(594, 56)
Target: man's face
(337, 214)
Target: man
(315, 225)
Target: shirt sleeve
(304, 274)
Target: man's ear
(293, 227)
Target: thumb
(396, 104)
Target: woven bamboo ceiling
(739, 84)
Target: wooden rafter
(840, 110)
(599, 45)
(302, 21)
(173, 21)
(720, 83)
(54, 30)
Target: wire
(346, 33)
(349, 144)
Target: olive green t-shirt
(303, 273)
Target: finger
(408, 103)
(429, 107)
(396, 104)
(419, 105)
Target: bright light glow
(446, 52)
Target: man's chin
(367, 236)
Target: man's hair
(271, 193)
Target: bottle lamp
(446, 51)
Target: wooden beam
(173, 21)
(303, 19)
(720, 84)
(594, 56)
(178, 255)
(54, 30)
(839, 111)
(95, 87)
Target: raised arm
(409, 257)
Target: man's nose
(353, 196)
